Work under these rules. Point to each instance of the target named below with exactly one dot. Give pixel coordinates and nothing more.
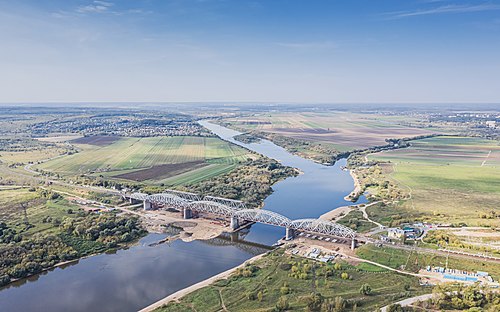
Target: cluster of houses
(122, 126)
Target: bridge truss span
(185, 195)
(237, 212)
(211, 207)
(232, 203)
(263, 216)
(168, 200)
(139, 196)
(322, 227)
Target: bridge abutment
(147, 205)
(289, 234)
(353, 243)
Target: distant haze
(293, 51)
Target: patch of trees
(8, 234)
(247, 138)
(246, 271)
(23, 144)
(458, 297)
(489, 215)
(250, 182)
(48, 194)
(80, 236)
(447, 239)
(107, 229)
(31, 256)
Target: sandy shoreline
(185, 291)
(337, 213)
(357, 186)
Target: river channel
(130, 279)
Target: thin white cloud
(319, 45)
(95, 7)
(446, 9)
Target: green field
(37, 209)
(273, 279)
(452, 179)
(195, 159)
(414, 261)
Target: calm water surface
(136, 277)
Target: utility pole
(447, 255)
(23, 207)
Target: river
(130, 279)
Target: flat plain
(453, 179)
(343, 131)
(153, 159)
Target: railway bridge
(238, 213)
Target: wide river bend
(130, 279)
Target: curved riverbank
(130, 279)
(185, 291)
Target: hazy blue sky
(267, 50)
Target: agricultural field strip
(130, 154)
(459, 154)
(339, 129)
(453, 188)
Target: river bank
(185, 291)
(131, 279)
(357, 187)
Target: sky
(304, 51)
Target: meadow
(414, 261)
(168, 160)
(273, 279)
(26, 210)
(450, 179)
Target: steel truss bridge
(238, 212)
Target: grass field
(145, 159)
(37, 208)
(453, 179)
(273, 280)
(30, 156)
(413, 261)
(343, 131)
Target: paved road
(408, 301)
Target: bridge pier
(147, 205)
(234, 223)
(187, 213)
(290, 234)
(353, 243)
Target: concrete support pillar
(188, 213)
(131, 200)
(234, 223)
(234, 236)
(353, 243)
(290, 234)
(147, 205)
